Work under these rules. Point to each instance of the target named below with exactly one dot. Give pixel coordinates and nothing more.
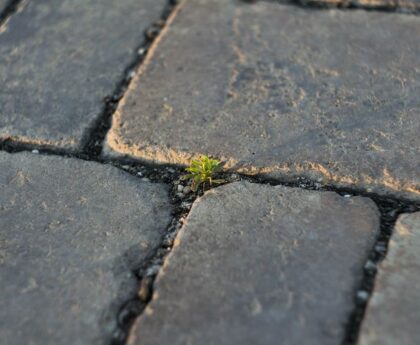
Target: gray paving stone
(257, 264)
(283, 91)
(393, 314)
(59, 59)
(70, 234)
(403, 5)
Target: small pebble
(180, 188)
(380, 248)
(141, 51)
(186, 190)
(370, 266)
(347, 195)
(35, 151)
(362, 295)
(180, 195)
(170, 170)
(186, 205)
(169, 239)
(152, 270)
(125, 167)
(140, 173)
(145, 179)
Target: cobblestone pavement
(313, 108)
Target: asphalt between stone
(392, 316)
(282, 91)
(256, 264)
(59, 59)
(71, 232)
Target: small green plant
(202, 171)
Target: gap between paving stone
(396, 291)
(94, 137)
(149, 268)
(146, 275)
(389, 212)
(7, 9)
(405, 7)
(389, 208)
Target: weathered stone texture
(59, 59)
(393, 314)
(257, 264)
(71, 232)
(284, 91)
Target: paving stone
(402, 5)
(59, 59)
(70, 234)
(283, 91)
(256, 264)
(392, 316)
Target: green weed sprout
(202, 171)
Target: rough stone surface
(283, 91)
(70, 234)
(403, 5)
(257, 264)
(393, 315)
(59, 59)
